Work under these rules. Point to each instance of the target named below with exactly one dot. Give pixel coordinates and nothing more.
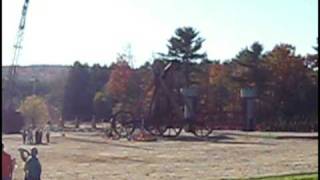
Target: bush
(35, 111)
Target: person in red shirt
(7, 165)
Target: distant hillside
(43, 73)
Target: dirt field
(225, 155)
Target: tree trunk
(77, 122)
(93, 122)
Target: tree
(311, 60)
(221, 88)
(289, 85)
(184, 47)
(55, 96)
(249, 68)
(119, 78)
(118, 83)
(99, 75)
(102, 105)
(35, 111)
(77, 97)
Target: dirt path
(224, 155)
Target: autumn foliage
(286, 83)
(119, 79)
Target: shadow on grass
(219, 139)
(113, 143)
(33, 144)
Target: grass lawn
(302, 176)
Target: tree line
(287, 83)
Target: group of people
(34, 135)
(32, 166)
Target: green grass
(302, 176)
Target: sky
(95, 31)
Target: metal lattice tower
(10, 89)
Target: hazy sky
(94, 31)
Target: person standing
(47, 131)
(7, 165)
(37, 136)
(40, 136)
(24, 135)
(32, 167)
(30, 136)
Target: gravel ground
(225, 155)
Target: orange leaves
(283, 64)
(216, 73)
(119, 79)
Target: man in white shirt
(46, 131)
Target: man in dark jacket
(32, 167)
(37, 136)
(24, 135)
(40, 136)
